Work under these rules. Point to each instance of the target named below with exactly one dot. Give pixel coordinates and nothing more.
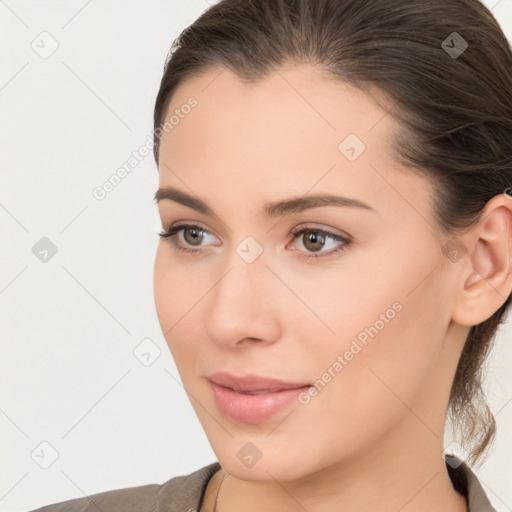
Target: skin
(372, 438)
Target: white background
(69, 326)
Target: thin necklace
(217, 496)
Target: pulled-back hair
(454, 111)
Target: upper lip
(252, 382)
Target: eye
(193, 234)
(316, 239)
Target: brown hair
(455, 111)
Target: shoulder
(179, 493)
(466, 482)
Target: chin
(269, 471)
(253, 458)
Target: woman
(335, 181)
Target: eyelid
(323, 229)
(308, 225)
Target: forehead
(291, 129)
(298, 103)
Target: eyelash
(176, 228)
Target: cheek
(161, 289)
(384, 346)
(177, 299)
(371, 389)
(175, 291)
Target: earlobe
(488, 282)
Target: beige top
(185, 494)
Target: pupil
(196, 233)
(315, 238)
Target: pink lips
(252, 399)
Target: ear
(486, 282)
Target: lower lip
(253, 408)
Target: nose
(244, 305)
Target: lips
(252, 398)
(254, 392)
(253, 384)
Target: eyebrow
(277, 209)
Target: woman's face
(368, 319)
